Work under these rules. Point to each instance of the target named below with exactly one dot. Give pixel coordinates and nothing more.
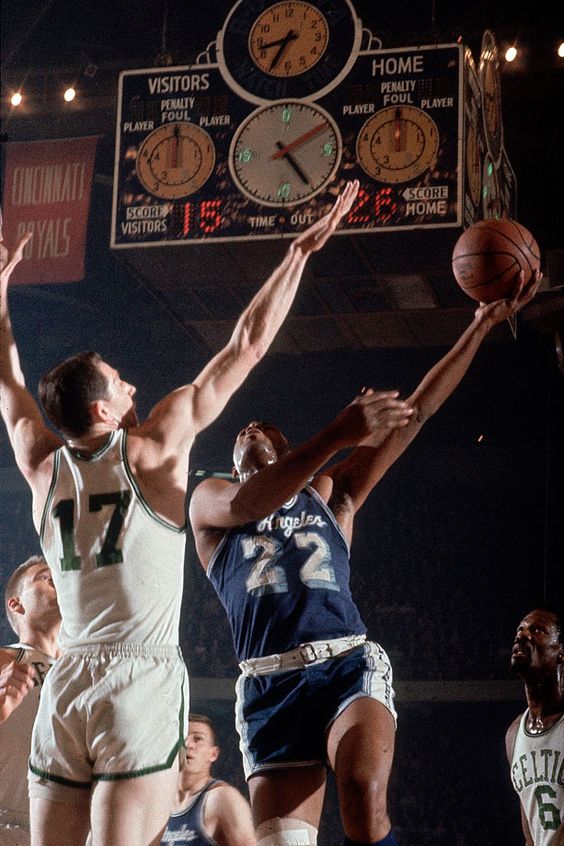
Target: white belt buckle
(308, 653)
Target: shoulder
(223, 791)
(206, 495)
(225, 798)
(323, 485)
(511, 736)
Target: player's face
(537, 644)
(258, 444)
(37, 595)
(120, 396)
(201, 750)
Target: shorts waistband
(124, 650)
(302, 656)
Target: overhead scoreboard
(258, 142)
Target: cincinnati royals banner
(47, 189)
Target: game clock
(291, 49)
(285, 153)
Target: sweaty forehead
(547, 618)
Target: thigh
(134, 811)
(288, 792)
(55, 823)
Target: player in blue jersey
(207, 810)
(313, 692)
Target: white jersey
(117, 566)
(15, 742)
(537, 772)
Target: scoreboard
(214, 152)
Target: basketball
(488, 256)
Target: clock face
(288, 39)
(291, 49)
(473, 164)
(397, 144)
(490, 86)
(175, 160)
(285, 153)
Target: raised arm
(217, 503)
(354, 478)
(30, 438)
(188, 410)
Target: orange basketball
(488, 256)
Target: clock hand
(307, 136)
(291, 36)
(283, 44)
(293, 163)
(397, 131)
(174, 150)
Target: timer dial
(397, 144)
(490, 86)
(285, 153)
(288, 38)
(175, 160)
(267, 51)
(473, 164)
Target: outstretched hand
(372, 411)
(500, 310)
(16, 680)
(8, 261)
(318, 234)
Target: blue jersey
(186, 828)
(284, 580)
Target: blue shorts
(283, 717)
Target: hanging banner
(47, 188)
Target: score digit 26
(381, 207)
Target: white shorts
(110, 712)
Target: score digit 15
(205, 215)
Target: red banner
(47, 189)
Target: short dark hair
(201, 718)
(14, 585)
(67, 390)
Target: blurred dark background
(465, 534)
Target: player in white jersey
(33, 612)
(104, 776)
(535, 740)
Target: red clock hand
(293, 145)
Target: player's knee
(365, 789)
(289, 831)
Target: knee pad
(286, 831)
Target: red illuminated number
(186, 218)
(354, 216)
(210, 217)
(385, 207)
